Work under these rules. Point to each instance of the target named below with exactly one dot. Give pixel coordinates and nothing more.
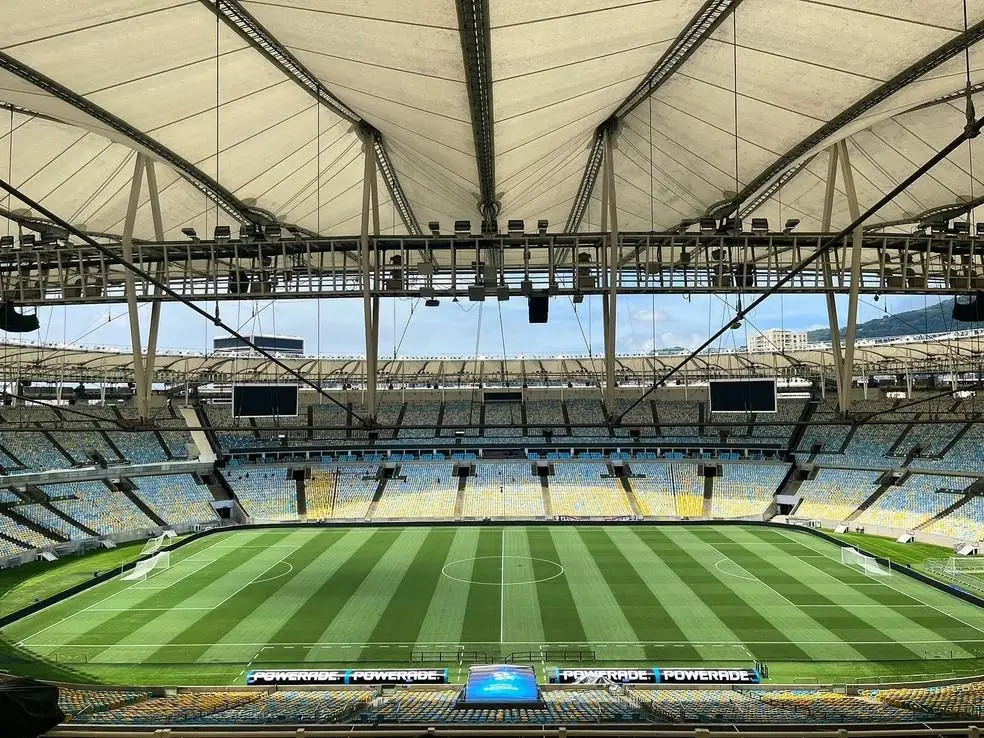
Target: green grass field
(619, 594)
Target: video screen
(263, 400)
(751, 396)
(501, 684)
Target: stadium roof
(939, 353)
(481, 101)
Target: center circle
(459, 572)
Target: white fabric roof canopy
(558, 70)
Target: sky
(334, 327)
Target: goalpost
(867, 564)
(153, 545)
(143, 568)
(957, 565)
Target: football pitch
(288, 597)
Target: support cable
(970, 131)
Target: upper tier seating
(587, 412)
(503, 490)
(578, 489)
(544, 415)
(503, 414)
(836, 493)
(177, 498)
(461, 413)
(684, 412)
(746, 489)
(243, 435)
(419, 413)
(429, 491)
(104, 510)
(914, 502)
(264, 492)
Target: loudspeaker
(539, 307)
(970, 312)
(14, 322)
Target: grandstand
(636, 348)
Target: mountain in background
(936, 318)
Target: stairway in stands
(870, 500)
(547, 503)
(630, 494)
(377, 496)
(125, 488)
(708, 496)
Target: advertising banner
(647, 675)
(269, 677)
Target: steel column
(834, 324)
(370, 304)
(150, 355)
(609, 207)
(130, 286)
(847, 174)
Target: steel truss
(442, 266)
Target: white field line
(253, 580)
(85, 609)
(751, 576)
(502, 583)
(910, 596)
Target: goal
(956, 565)
(867, 564)
(152, 546)
(143, 568)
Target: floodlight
(961, 228)
(190, 233)
(707, 225)
(435, 228)
(541, 227)
(222, 234)
(515, 227)
(731, 225)
(272, 231)
(432, 302)
(760, 225)
(790, 225)
(980, 229)
(27, 240)
(462, 228)
(6, 242)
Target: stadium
(477, 368)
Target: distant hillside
(934, 319)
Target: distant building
(274, 344)
(776, 339)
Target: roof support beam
(252, 31)
(847, 174)
(700, 27)
(214, 191)
(922, 67)
(476, 49)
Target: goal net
(854, 558)
(956, 565)
(144, 567)
(152, 546)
